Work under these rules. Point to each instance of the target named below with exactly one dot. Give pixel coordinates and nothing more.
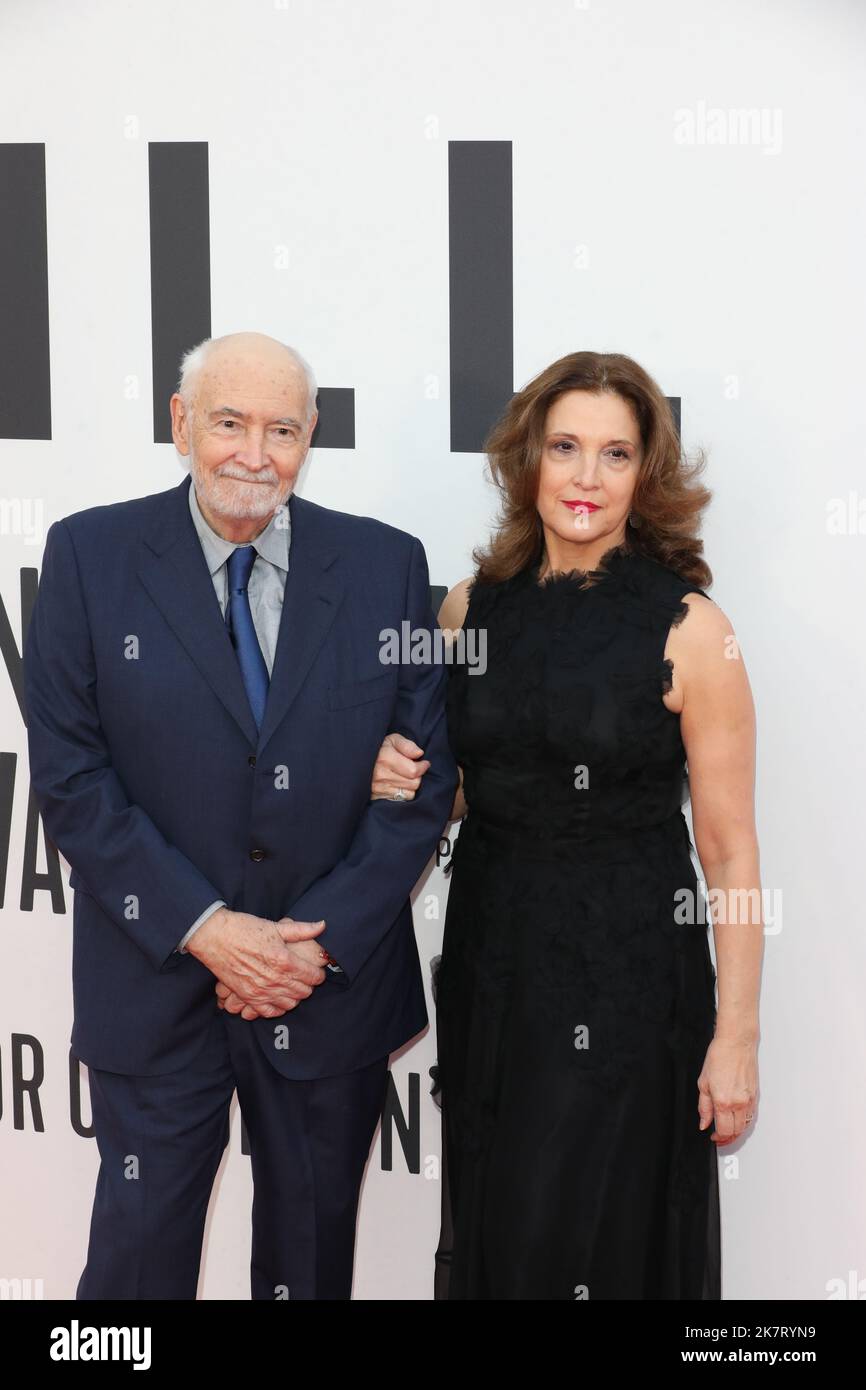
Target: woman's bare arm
(717, 723)
(396, 767)
(452, 616)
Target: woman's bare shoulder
(705, 648)
(707, 622)
(452, 614)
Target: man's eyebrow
(239, 415)
(576, 437)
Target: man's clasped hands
(262, 968)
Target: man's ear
(312, 427)
(179, 424)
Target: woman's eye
(566, 446)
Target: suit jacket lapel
(175, 574)
(314, 592)
(173, 570)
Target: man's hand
(267, 967)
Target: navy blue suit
(157, 787)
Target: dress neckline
(612, 560)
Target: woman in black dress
(586, 1075)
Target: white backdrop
(731, 270)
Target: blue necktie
(239, 621)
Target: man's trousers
(161, 1140)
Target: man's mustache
(248, 478)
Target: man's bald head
(263, 363)
(244, 416)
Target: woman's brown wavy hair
(668, 499)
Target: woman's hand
(728, 1084)
(395, 768)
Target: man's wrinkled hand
(233, 1004)
(265, 966)
(308, 954)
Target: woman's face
(591, 454)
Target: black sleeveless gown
(574, 1003)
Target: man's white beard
(249, 501)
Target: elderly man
(205, 701)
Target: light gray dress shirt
(266, 589)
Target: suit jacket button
(257, 855)
(252, 760)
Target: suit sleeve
(145, 885)
(199, 921)
(361, 897)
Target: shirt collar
(272, 543)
